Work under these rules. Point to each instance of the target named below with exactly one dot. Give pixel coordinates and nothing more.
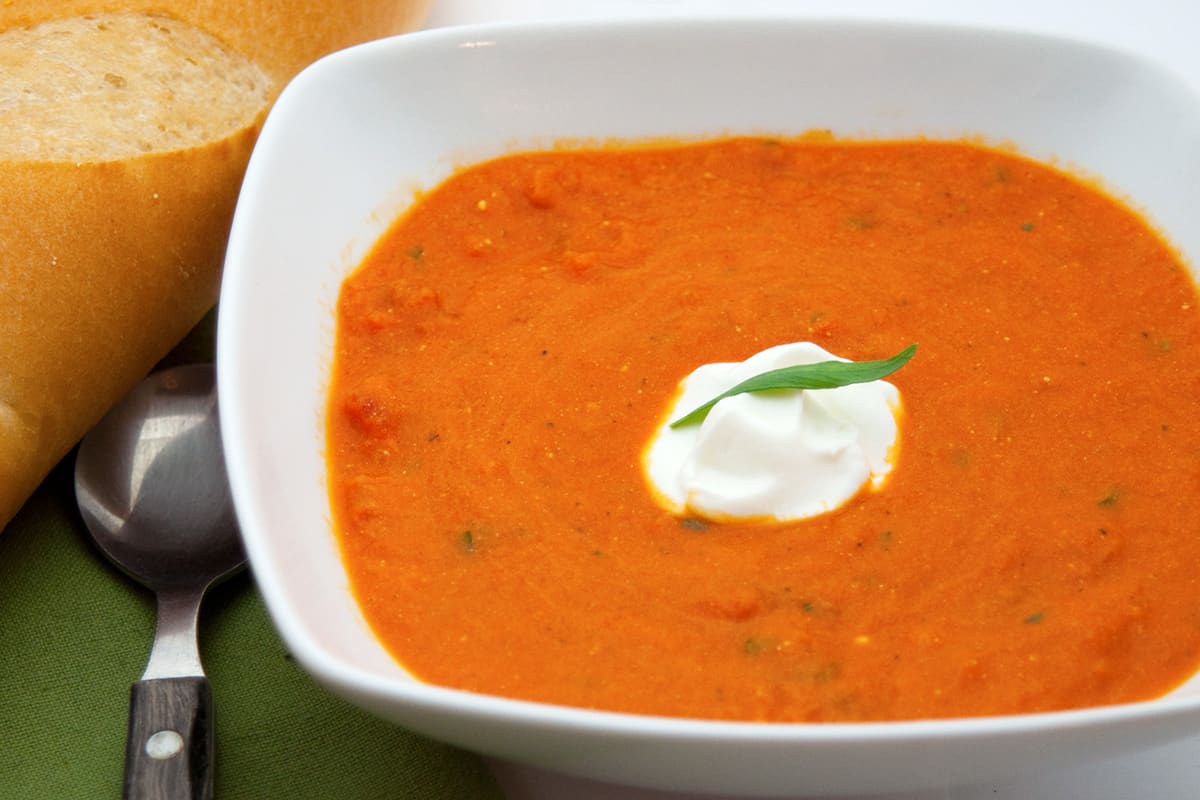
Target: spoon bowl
(151, 487)
(150, 506)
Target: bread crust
(100, 289)
(106, 265)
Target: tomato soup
(507, 349)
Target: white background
(1168, 31)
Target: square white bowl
(354, 135)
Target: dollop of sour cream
(782, 454)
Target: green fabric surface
(75, 633)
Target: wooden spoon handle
(169, 752)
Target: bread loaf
(125, 129)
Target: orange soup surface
(505, 352)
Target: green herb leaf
(823, 375)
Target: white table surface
(1168, 31)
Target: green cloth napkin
(75, 633)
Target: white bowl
(354, 135)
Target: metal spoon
(151, 485)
